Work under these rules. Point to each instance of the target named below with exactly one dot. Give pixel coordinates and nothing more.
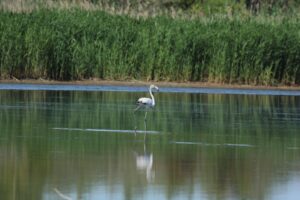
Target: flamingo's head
(154, 87)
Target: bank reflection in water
(206, 146)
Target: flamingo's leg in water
(135, 126)
(137, 108)
(145, 134)
(145, 116)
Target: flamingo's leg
(145, 116)
(137, 108)
(145, 134)
(135, 126)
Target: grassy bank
(77, 44)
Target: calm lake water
(78, 142)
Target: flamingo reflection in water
(144, 163)
(147, 103)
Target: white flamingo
(147, 102)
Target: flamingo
(147, 102)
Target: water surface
(81, 143)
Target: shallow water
(84, 142)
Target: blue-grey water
(85, 142)
(116, 88)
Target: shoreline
(146, 83)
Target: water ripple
(211, 144)
(107, 130)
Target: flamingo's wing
(144, 101)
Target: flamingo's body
(147, 102)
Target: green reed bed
(77, 44)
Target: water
(77, 144)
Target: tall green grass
(77, 44)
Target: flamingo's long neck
(152, 97)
